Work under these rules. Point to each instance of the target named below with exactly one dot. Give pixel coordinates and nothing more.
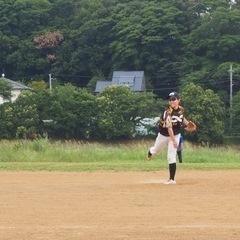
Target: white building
(17, 89)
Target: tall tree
(236, 114)
(5, 89)
(19, 20)
(149, 37)
(22, 114)
(119, 110)
(212, 45)
(69, 109)
(205, 108)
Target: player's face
(174, 102)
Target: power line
(157, 86)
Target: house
(134, 79)
(17, 88)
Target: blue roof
(101, 85)
(134, 79)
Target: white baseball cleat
(170, 182)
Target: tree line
(175, 42)
(172, 41)
(70, 112)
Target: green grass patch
(43, 155)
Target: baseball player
(170, 124)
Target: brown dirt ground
(120, 205)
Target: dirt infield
(120, 205)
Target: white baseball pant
(162, 141)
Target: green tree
(5, 89)
(212, 46)
(236, 114)
(205, 108)
(38, 85)
(22, 114)
(149, 36)
(4, 134)
(70, 109)
(20, 19)
(119, 110)
(85, 53)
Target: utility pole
(50, 81)
(230, 99)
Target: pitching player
(170, 124)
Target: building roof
(134, 79)
(101, 85)
(15, 85)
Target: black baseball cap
(173, 95)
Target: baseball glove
(191, 127)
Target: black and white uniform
(170, 117)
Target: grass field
(23, 155)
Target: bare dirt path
(119, 205)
